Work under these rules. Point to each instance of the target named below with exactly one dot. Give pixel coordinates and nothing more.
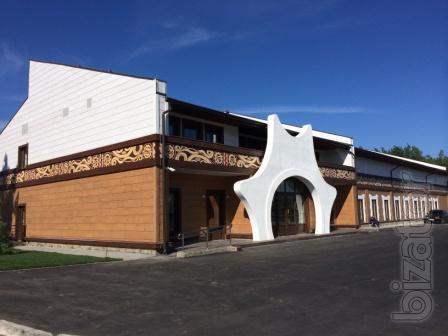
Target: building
(391, 188)
(83, 164)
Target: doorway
(215, 208)
(174, 214)
(21, 223)
(289, 210)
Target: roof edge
(264, 122)
(96, 70)
(394, 158)
(13, 116)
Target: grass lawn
(33, 259)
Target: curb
(13, 329)
(273, 242)
(203, 252)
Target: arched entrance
(279, 163)
(289, 208)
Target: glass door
(174, 214)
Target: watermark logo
(416, 252)
(416, 283)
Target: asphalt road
(329, 286)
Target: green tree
(415, 153)
(5, 239)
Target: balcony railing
(185, 153)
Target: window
(374, 210)
(397, 209)
(317, 154)
(213, 133)
(174, 126)
(195, 130)
(436, 205)
(22, 157)
(252, 142)
(361, 210)
(386, 210)
(406, 207)
(191, 129)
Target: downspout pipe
(426, 177)
(391, 174)
(165, 176)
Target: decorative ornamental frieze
(212, 157)
(384, 182)
(337, 173)
(149, 150)
(88, 163)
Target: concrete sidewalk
(238, 244)
(391, 225)
(104, 253)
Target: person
(374, 222)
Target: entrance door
(288, 214)
(21, 223)
(174, 214)
(215, 208)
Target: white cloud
(192, 36)
(10, 59)
(176, 37)
(281, 109)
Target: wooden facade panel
(241, 222)
(345, 207)
(114, 207)
(193, 190)
(193, 201)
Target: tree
(5, 239)
(415, 153)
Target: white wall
(379, 168)
(122, 108)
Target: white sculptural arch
(285, 156)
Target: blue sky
(373, 70)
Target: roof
(320, 134)
(398, 160)
(109, 71)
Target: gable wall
(122, 108)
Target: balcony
(200, 155)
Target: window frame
(22, 156)
(397, 209)
(220, 134)
(386, 209)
